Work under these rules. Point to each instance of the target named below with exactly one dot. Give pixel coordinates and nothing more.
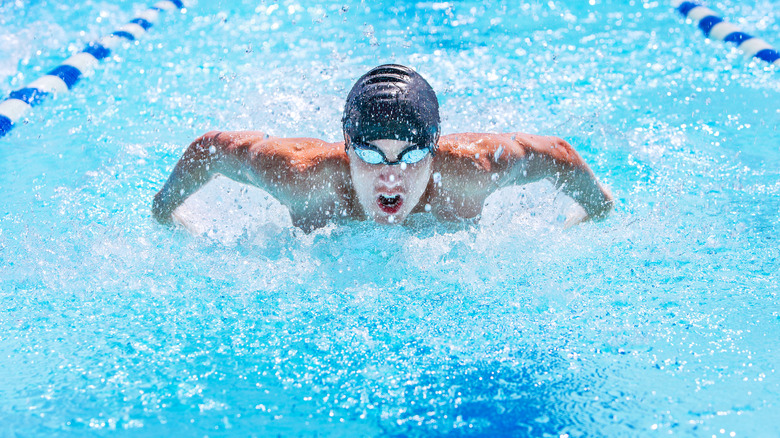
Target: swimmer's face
(389, 192)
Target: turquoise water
(663, 319)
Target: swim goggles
(373, 155)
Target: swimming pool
(662, 319)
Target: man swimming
(392, 162)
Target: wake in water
(226, 211)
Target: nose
(390, 175)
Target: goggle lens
(371, 155)
(411, 156)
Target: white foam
(242, 209)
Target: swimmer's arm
(537, 157)
(213, 153)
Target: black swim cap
(392, 102)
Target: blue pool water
(663, 319)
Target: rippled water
(662, 319)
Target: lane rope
(716, 28)
(64, 76)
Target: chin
(385, 219)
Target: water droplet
(498, 153)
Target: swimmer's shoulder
(301, 153)
(305, 154)
(506, 148)
(485, 151)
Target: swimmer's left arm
(534, 157)
(212, 153)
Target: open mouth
(389, 204)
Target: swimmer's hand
(161, 209)
(577, 214)
(195, 168)
(536, 157)
(596, 204)
(601, 203)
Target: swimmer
(392, 163)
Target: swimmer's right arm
(213, 153)
(555, 159)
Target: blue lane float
(716, 28)
(64, 77)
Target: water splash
(245, 323)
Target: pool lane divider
(64, 76)
(716, 28)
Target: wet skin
(388, 193)
(320, 182)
